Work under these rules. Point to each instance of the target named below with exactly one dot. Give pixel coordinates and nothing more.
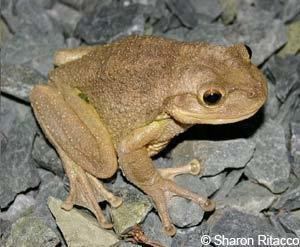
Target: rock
(212, 9)
(72, 42)
(293, 45)
(286, 74)
(229, 12)
(21, 204)
(185, 11)
(51, 185)
(291, 222)
(290, 199)
(133, 210)
(85, 5)
(4, 33)
(5, 228)
(47, 4)
(66, 16)
(269, 165)
(295, 147)
(18, 80)
(11, 113)
(290, 10)
(29, 231)
(46, 157)
(272, 105)
(80, 229)
(248, 197)
(231, 179)
(215, 155)
(18, 173)
(107, 23)
(233, 224)
(153, 229)
(185, 213)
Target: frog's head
(224, 87)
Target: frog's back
(126, 81)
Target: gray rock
(85, 5)
(213, 184)
(107, 23)
(295, 147)
(231, 179)
(4, 32)
(290, 10)
(133, 210)
(215, 155)
(272, 105)
(18, 173)
(290, 199)
(190, 237)
(46, 157)
(29, 231)
(152, 228)
(232, 223)
(286, 74)
(80, 229)
(248, 197)
(212, 9)
(51, 185)
(229, 10)
(66, 16)
(47, 4)
(291, 222)
(5, 228)
(269, 165)
(185, 213)
(11, 113)
(21, 204)
(72, 42)
(18, 80)
(35, 50)
(185, 11)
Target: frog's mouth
(188, 117)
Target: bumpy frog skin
(116, 105)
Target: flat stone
(106, 23)
(290, 10)
(270, 165)
(80, 229)
(66, 16)
(185, 11)
(46, 157)
(29, 231)
(215, 155)
(234, 224)
(18, 173)
(231, 179)
(248, 197)
(212, 9)
(293, 45)
(290, 199)
(133, 210)
(295, 147)
(21, 204)
(51, 185)
(272, 105)
(4, 33)
(291, 222)
(18, 80)
(286, 74)
(153, 229)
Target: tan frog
(116, 105)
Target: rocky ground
(252, 167)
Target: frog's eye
(212, 97)
(249, 51)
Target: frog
(110, 107)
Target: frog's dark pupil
(212, 97)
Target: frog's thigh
(73, 125)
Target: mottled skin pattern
(119, 104)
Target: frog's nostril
(212, 97)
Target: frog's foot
(194, 167)
(87, 191)
(162, 191)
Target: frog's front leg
(74, 128)
(138, 167)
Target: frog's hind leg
(84, 145)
